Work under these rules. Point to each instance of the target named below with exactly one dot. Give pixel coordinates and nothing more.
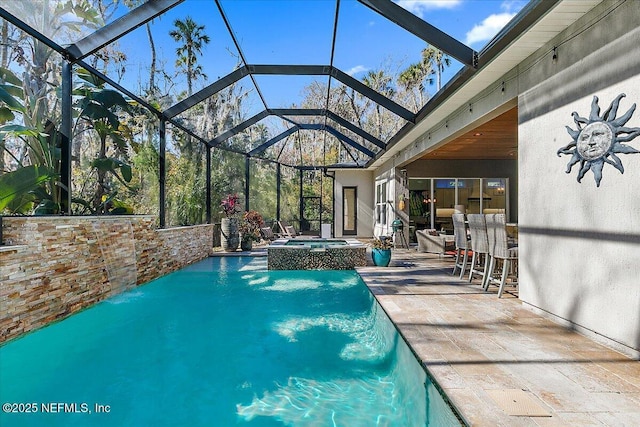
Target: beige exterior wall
(579, 243)
(363, 181)
(52, 267)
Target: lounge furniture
(462, 244)
(268, 234)
(287, 230)
(430, 241)
(499, 249)
(479, 246)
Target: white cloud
(488, 28)
(357, 69)
(418, 7)
(513, 5)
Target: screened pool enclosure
(165, 106)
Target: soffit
(495, 139)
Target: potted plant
(250, 229)
(229, 236)
(381, 251)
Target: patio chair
(499, 249)
(287, 230)
(462, 244)
(479, 246)
(268, 234)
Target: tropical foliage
(382, 242)
(250, 225)
(230, 205)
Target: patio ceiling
(537, 23)
(496, 139)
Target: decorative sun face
(600, 140)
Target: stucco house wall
(364, 182)
(579, 243)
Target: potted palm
(381, 251)
(229, 235)
(250, 229)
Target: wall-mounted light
(403, 176)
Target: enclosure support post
(278, 178)
(162, 170)
(321, 180)
(66, 129)
(208, 195)
(300, 201)
(246, 182)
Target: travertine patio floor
(474, 345)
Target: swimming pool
(223, 342)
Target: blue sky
(300, 32)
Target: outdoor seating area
(480, 246)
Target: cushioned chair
(499, 249)
(430, 241)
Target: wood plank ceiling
(496, 139)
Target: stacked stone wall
(52, 267)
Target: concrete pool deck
(484, 351)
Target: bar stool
(499, 249)
(462, 243)
(479, 245)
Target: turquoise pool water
(223, 342)
(315, 243)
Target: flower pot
(229, 237)
(381, 257)
(246, 244)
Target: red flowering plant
(230, 205)
(250, 226)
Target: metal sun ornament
(600, 139)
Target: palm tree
(192, 38)
(435, 60)
(380, 81)
(412, 80)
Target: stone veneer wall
(52, 267)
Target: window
(470, 195)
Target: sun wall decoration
(600, 139)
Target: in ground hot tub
(316, 254)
